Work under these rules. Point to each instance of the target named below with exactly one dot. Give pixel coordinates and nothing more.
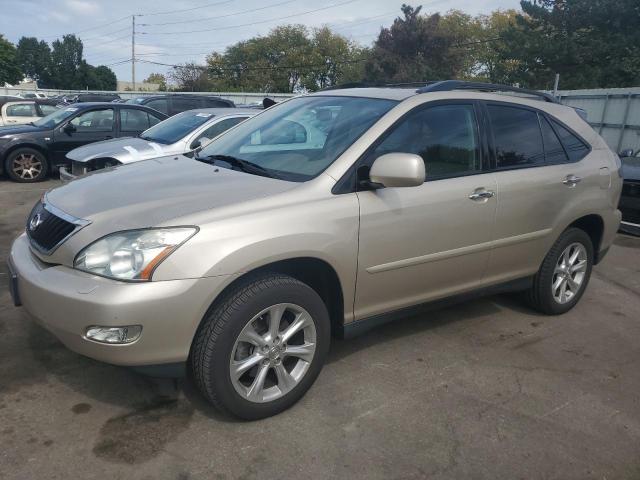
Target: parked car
(630, 199)
(28, 153)
(240, 265)
(17, 112)
(176, 103)
(34, 95)
(181, 133)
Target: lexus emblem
(35, 222)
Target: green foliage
(34, 59)
(158, 79)
(9, 68)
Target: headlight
(133, 254)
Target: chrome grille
(47, 230)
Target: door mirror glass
(398, 170)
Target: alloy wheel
(273, 353)
(27, 166)
(569, 273)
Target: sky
(175, 32)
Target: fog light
(114, 335)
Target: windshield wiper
(243, 165)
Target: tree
(34, 59)
(9, 68)
(590, 43)
(415, 48)
(67, 63)
(106, 78)
(190, 78)
(157, 79)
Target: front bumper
(66, 175)
(66, 301)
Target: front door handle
(571, 180)
(481, 194)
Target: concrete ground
(486, 389)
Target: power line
(95, 27)
(234, 68)
(105, 34)
(251, 10)
(184, 9)
(228, 27)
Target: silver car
(326, 214)
(181, 133)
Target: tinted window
(181, 104)
(153, 120)
(553, 151)
(22, 110)
(177, 127)
(47, 109)
(517, 137)
(216, 129)
(94, 121)
(444, 136)
(575, 147)
(215, 103)
(159, 104)
(327, 135)
(133, 120)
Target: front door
(422, 243)
(86, 127)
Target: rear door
(88, 126)
(421, 243)
(19, 113)
(533, 170)
(133, 122)
(181, 104)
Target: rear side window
(182, 104)
(22, 110)
(132, 120)
(215, 103)
(576, 149)
(159, 104)
(517, 136)
(554, 152)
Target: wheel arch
(592, 225)
(312, 271)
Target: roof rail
(374, 85)
(448, 85)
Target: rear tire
(26, 165)
(563, 275)
(279, 364)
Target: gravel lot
(486, 389)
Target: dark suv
(172, 104)
(29, 152)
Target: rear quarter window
(575, 147)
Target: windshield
(298, 139)
(55, 118)
(175, 128)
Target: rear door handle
(481, 194)
(571, 180)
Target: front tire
(26, 165)
(261, 348)
(563, 275)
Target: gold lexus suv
(327, 213)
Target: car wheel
(564, 274)
(261, 348)
(26, 165)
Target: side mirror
(200, 142)
(69, 128)
(398, 170)
(626, 153)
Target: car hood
(125, 150)
(631, 168)
(20, 129)
(158, 191)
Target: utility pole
(133, 52)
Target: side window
(22, 110)
(154, 120)
(94, 121)
(182, 104)
(576, 149)
(553, 150)
(160, 104)
(47, 109)
(216, 129)
(132, 120)
(517, 136)
(444, 136)
(215, 103)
